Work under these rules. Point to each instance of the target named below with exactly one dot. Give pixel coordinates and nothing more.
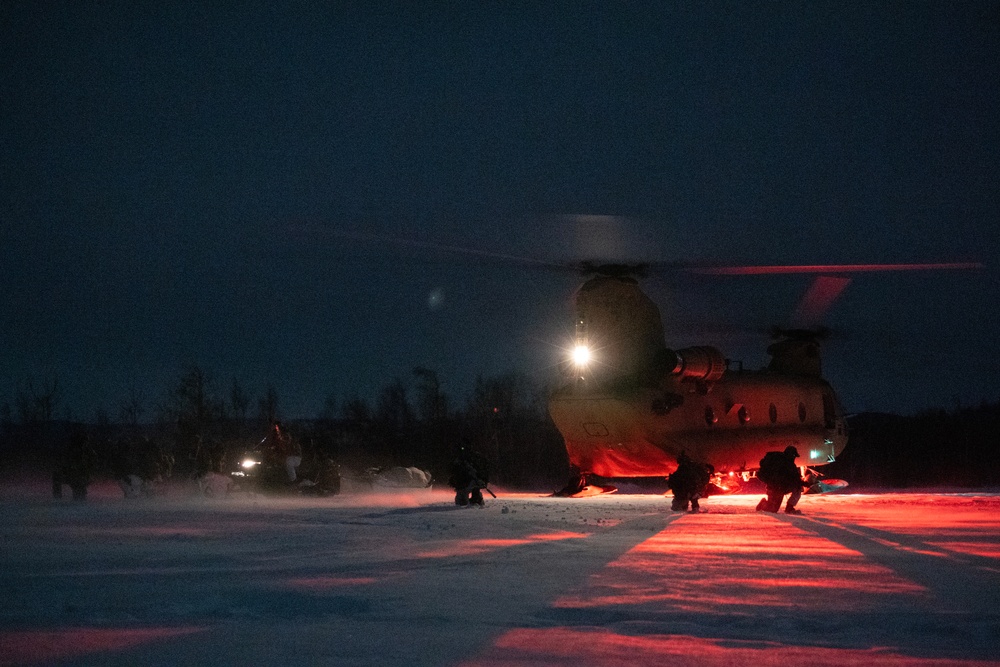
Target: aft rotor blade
(827, 268)
(818, 299)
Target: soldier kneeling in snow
(687, 483)
(469, 476)
(779, 472)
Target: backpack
(769, 467)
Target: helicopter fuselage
(640, 431)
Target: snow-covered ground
(406, 578)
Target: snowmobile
(256, 473)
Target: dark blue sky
(172, 178)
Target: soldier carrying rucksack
(779, 472)
(469, 476)
(687, 483)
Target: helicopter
(628, 406)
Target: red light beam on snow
(472, 547)
(326, 583)
(46, 646)
(777, 566)
(596, 647)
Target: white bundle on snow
(400, 477)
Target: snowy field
(408, 579)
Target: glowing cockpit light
(249, 463)
(581, 355)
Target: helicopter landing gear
(577, 483)
(579, 487)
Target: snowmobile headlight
(249, 463)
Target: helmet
(792, 451)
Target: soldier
(469, 476)
(285, 451)
(326, 476)
(779, 472)
(75, 466)
(688, 483)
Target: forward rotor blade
(462, 250)
(637, 269)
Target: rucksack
(769, 467)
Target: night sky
(177, 179)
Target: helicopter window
(743, 415)
(710, 417)
(596, 429)
(802, 412)
(772, 413)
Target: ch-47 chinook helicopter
(629, 405)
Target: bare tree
(432, 404)
(511, 427)
(330, 409)
(394, 422)
(356, 409)
(196, 412)
(132, 408)
(393, 410)
(239, 401)
(267, 406)
(38, 404)
(435, 442)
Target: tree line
(202, 425)
(933, 448)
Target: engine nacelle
(702, 363)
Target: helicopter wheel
(579, 487)
(576, 484)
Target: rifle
(476, 484)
